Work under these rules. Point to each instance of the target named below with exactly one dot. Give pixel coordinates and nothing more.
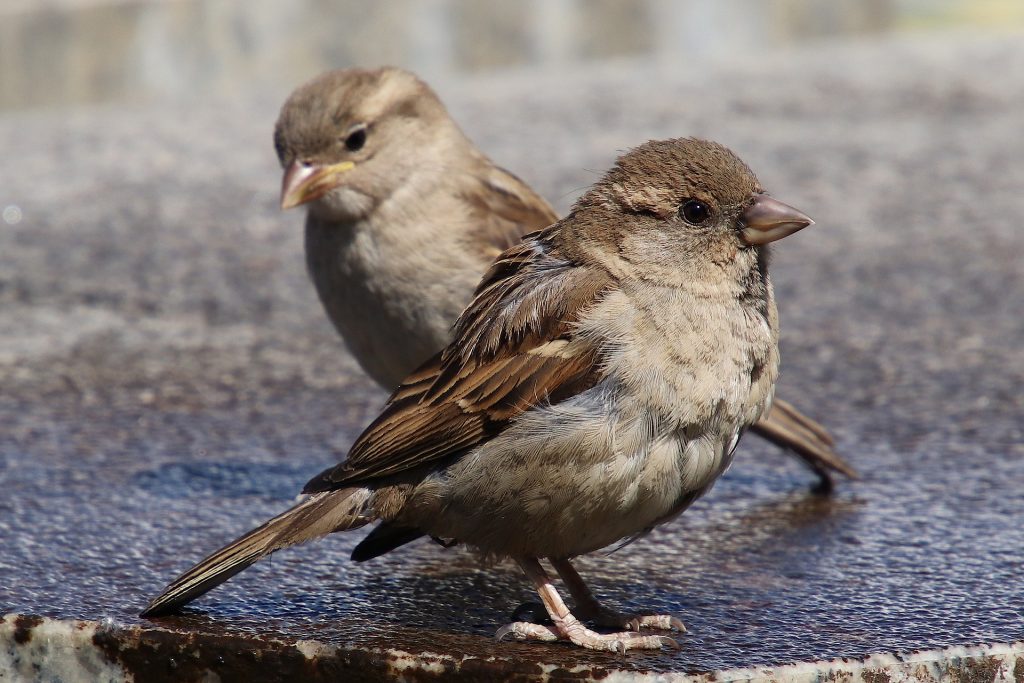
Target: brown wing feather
(504, 207)
(511, 351)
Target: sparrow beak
(767, 220)
(305, 182)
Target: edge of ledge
(36, 647)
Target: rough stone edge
(41, 648)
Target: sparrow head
(349, 138)
(669, 203)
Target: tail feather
(786, 409)
(383, 539)
(314, 517)
(789, 428)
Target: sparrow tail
(317, 516)
(787, 427)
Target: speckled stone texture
(168, 380)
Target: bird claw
(646, 643)
(525, 630)
(664, 622)
(603, 616)
(665, 641)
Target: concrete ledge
(39, 648)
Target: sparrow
(597, 384)
(404, 214)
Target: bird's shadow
(423, 588)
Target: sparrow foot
(565, 626)
(610, 618)
(574, 632)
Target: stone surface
(168, 380)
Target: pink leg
(588, 607)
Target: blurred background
(65, 52)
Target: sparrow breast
(680, 382)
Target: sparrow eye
(356, 139)
(694, 211)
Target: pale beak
(767, 220)
(305, 182)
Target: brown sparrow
(404, 216)
(597, 385)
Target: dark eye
(356, 139)
(694, 211)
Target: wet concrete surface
(168, 379)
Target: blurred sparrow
(404, 216)
(595, 387)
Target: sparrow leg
(567, 627)
(588, 606)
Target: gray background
(67, 52)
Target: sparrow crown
(337, 114)
(697, 178)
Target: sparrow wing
(515, 347)
(505, 208)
